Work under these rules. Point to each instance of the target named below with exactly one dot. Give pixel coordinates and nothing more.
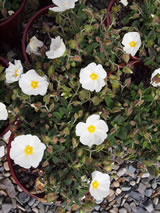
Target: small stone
(125, 189)
(154, 184)
(135, 195)
(19, 189)
(145, 175)
(35, 210)
(149, 208)
(7, 174)
(115, 167)
(122, 210)
(118, 191)
(131, 169)
(23, 197)
(141, 188)
(31, 202)
(148, 192)
(155, 201)
(114, 210)
(111, 193)
(133, 207)
(116, 184)
(140, 210)
(97, 207)
(127, 206)
(6, 167)
(132, 183)
(121, 172)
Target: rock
(148, 192)
(122, 210)
(141, 188)
(140, 210)
(149, 208)
(35, 210)
(111, 193)
(31, 202)
(135, 195)
(116, 184)
(131, 169)
(7, 174)
(145, 175)
(155, 201)
(154, 184)
(127, 206)
(133, 207)
(118, 191)
(97, 207)
(114, 210)
(121, 172)
(132, 183)
(6, 167)
(23, 197)
(125, 188)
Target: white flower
(33, 84)
(34, 45)
(124, 2)
(3, 112)
(2, 151)
(92, 77)
(27, 151)
(93, 131)
(155, 78)
(100, 185)
(131, 42)
(63, 5)
(13, 72)
(57, 48)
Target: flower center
(95, 184)
(28, 150)
(93, 76)
(34, 84)
(91, 129)
(132, 44)
(15, 73)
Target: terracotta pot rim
(4, 62)
(14, 15)
(24, 37)
(108, 12)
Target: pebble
(141, 188)
(148, 192)
(7, 174)
(118, 191)
(133, 207)
(135, 195)
(132, 183)
(125, 188)
(149, 208)
(6, 167)
(122, 210)
(155, 201)
(154, 184)
(97, 207)
(116, 184)
(145, 175)
(35, 210)
(23, 197)
(121, 172)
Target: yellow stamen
(93, 76)
(91, 129)
(132, 44)
(34, 84)
(95, 184)
(15, 73)
(28, 150)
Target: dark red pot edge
(24, 37)
(4, 62)
(15, 14)
(108, 12)
(11, 168)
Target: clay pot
(10, 28)
(29, 24)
